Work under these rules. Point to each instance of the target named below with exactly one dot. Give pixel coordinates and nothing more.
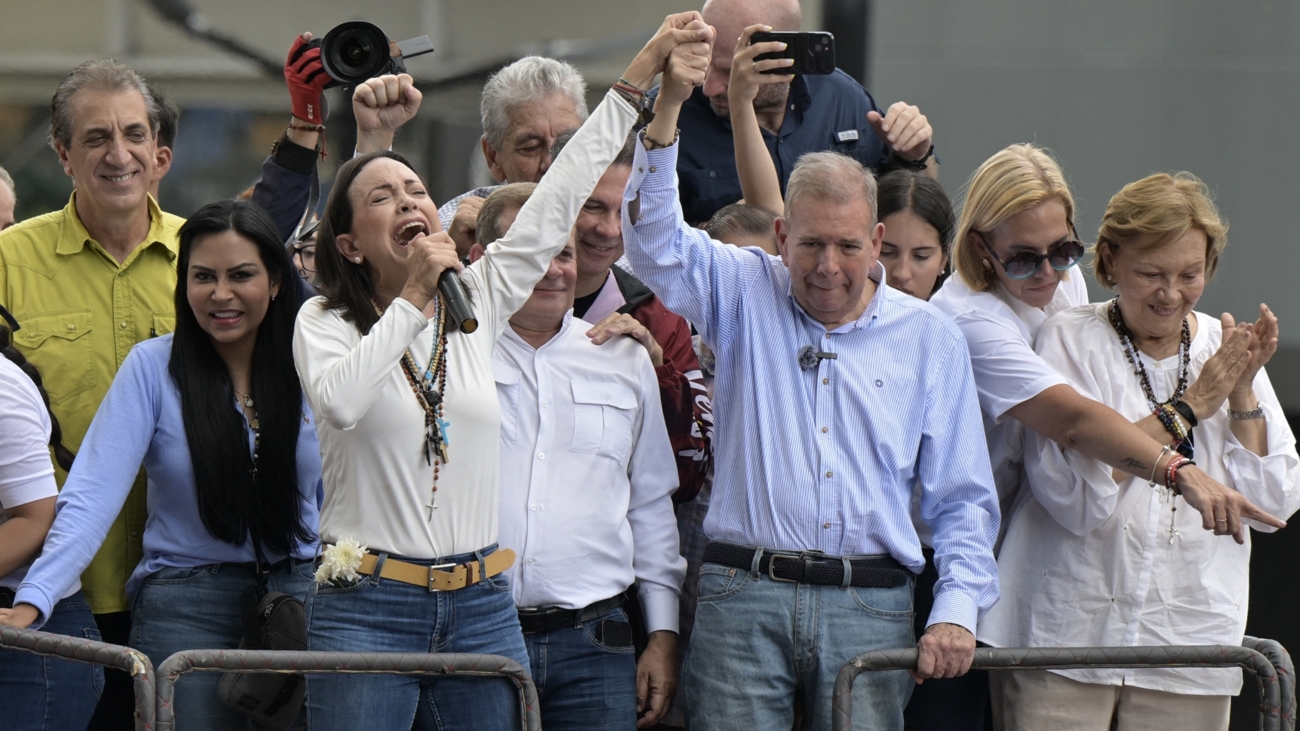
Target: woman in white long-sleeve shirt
(1101, 558)
(408, 419)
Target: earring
(357, 259)
(272, 298)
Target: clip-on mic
(810, 357)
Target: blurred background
(1118, 89)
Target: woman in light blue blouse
(215, 414)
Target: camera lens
(356, 51)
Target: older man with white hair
(525, 107)
(834, 396)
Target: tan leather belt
(443, 577)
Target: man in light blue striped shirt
(834, 396)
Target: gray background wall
(1120, 90)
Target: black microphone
(810, 357)
(458, 309)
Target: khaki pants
(1035, 700)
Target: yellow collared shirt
(80, 313)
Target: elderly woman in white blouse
(1098, 557)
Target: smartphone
(813, 52)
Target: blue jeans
(378, 615)
(198, 609)
(583, 683)
(757, 642)
(40, 693)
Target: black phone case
(813, 52)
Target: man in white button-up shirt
(587, 475)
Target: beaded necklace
(429, 388)
(1161, 409)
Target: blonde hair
(1013, 180)
(1156, 211)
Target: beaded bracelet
(1167, 419)
(1171, 472)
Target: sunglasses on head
(1024, 264)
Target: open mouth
(407, 232)
(225, 317)
(1164, 311)
(118, 178)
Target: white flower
(340, 561)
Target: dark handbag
(272, 621)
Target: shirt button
(829, 473)
(825, 429)
(713, 173)
(828, 336)
(533, 508)
(71, 327)
(546, 404)
(826, 525)
(532, 561)
(826, 381)
(122, 325)
(653, 168)
(541, 455)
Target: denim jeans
(198, 608)
(583, 683)
(40, 693)
(757, 642)
(379, 615)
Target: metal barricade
(1281, 659)
(133, 662)
(1060, 658)
(395, 663)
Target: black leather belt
(811, 567)
(546, 619)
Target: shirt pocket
(507, 379)
(708, 190)
(603, 415)
(60, 346)
(162, 325)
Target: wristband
(1186, 412)
(913, 164)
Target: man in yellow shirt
(89, 282)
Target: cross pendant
(431, 507)
(1173, 533)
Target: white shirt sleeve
(652, 471)
(26, 471)
(1007, 370)
(341, 374)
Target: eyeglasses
(1024, 264)
(306, 253)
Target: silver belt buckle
(435, 568)
(771, 566)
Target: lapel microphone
(810, 357)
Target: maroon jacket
(688, 413)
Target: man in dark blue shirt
(809, 114)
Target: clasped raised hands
(677, 29)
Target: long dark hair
(347, 286)
(906, 190)
(62, 455)
(233, 502)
